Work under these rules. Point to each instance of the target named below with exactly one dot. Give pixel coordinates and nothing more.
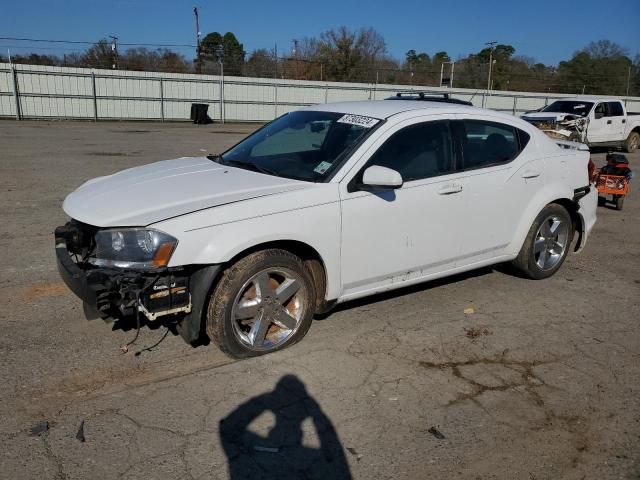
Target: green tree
(215, 47)
(601, 67)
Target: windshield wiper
(250, 166)
(215, 157)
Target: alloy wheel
(550, 242)
(268, 309)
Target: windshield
(302, 145)
(564, 106)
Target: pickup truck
(596, 121)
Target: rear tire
(547, 243)
(262, 303)
(602, 201)
(632, 142)
(619, 202)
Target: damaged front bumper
(179, 292)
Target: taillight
(591, 169)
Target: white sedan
(323, 205)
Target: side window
(601, 109)
(490, 143)
(418, 151)
(615, 109)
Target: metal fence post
(16, 93)
(221, 93)
(275, 100)
(326, 92)
(515, 104)
(161, 99)
(95, 97)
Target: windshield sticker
(322, 167)
(366, 122)
(576, 107)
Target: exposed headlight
(132, 248)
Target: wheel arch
(544, 198)
(308, 254)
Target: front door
(396, 236)
(598, 129)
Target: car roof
(384, 109)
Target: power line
(79, 42)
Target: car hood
(549, 116)
(148, 194)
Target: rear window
(615, 109)
(490, 143)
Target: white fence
(41, 92)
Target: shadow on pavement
(281, 454)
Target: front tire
(547, 243)
(263, 303)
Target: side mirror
(381, 177)
(598, 115)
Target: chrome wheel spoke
(263, 282)
(286, 290)
(259, 330)
(542, 259)
(553, 228)
(538, 246)
(247, 309)
(545, 229)
(282, 318)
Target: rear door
(502, 176)
(616, 120)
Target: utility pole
(114, 51)
(491, 46)
(628, 81)
(295, 56)
(198, 49)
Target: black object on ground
(199, 114)
(39, 428)
(80, 434)
(436, 433)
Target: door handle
(449, 189)
(608, 122)
(624, 120)
(531, 173)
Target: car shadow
(281, 454)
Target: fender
(318, 227)
(548, 194)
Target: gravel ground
(542, 381)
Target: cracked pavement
(541, 381)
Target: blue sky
(549, 31)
